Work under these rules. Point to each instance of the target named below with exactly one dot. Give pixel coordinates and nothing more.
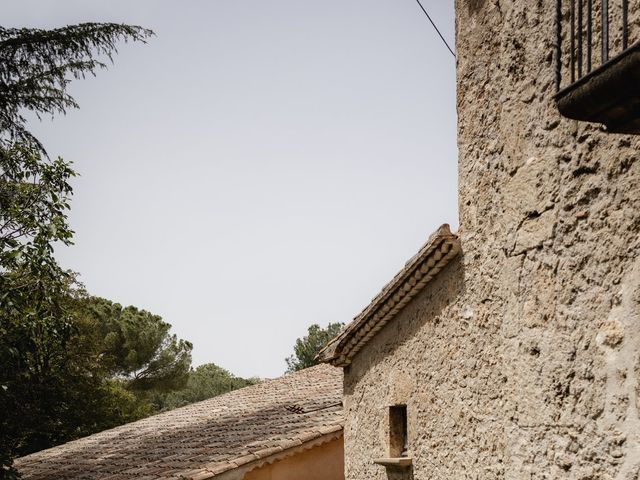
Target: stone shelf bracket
(399, 463)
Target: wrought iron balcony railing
(598, 62)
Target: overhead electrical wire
(436, 27)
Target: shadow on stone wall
(474, 6)
(393, 474)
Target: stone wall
(522, 359)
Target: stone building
(289, 428)
(512, 349)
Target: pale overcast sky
(259, 165)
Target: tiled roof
(439, 250)
(253, 425)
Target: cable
(436, 27)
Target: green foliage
(73, 368)
(307, 347)
(34, 200)
(204, 382)
(45, 383)
(36, 64)
(39, 379)
(121, 406)
(49, 386)
(136, 346)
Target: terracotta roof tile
(441, 247)
(206, 438)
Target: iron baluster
(580, 38)
(573, 41)
(558, 45)
(625, 24)
(589, 33)
(605, 31)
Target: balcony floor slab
(609, 95)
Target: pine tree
(37, 65)
(307, 347)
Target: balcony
(603, 90)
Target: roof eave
(268, 456)
(436, 254)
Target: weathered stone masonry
(521, 360)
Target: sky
(259, 165)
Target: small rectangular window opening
(398, 441)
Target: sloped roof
(421, 269)
(258, 424)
